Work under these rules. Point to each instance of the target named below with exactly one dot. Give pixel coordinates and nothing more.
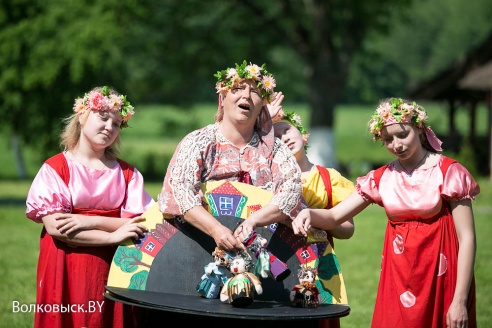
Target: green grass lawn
(149, 144)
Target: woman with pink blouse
(88, 201)
(426, 277)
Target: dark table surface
(196, 305)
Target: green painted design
(127, 258)
(328, 267)
(212, 205)
(326, 294)
(139, 280)
(240, 206)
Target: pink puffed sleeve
(138, 200)
(366, 187)
(48, 194)
(459, 184)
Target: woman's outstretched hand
(243, 231)
(301, 225)
(224, 239)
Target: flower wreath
(231, 77)
(295, 120)
(104, 100)
(394, 111)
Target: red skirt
(71, 284)
(418, 274)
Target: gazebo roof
(468, 78)
(467, 81)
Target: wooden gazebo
(466, 83)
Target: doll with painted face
(216, 274)
(240, 289)
(306, 294)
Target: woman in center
(240, 146)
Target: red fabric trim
(325, 175)
(378, 173)
(244, 177)
(127, 170)
(59, 163)
(128, 174)
(446, 162)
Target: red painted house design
(307, 253)
(251, 209)
(153, 240)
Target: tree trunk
(321, 149)
(326, 84)
(19, 159)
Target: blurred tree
(50, 53)
(434, 35)
(312, 40)
(166, 51)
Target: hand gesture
(275, 108)
(68, 223)
(224, 239)
(457, 315)
(301, 225)
(132, 229)
(244, 229)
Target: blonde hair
(70, 136)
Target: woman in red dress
(426, 277)
(88, 201)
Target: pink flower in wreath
(79, 106)
(96, 101)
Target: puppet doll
(240, 289)
(306, 294)
(216, 274)
(268, 265)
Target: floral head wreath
(395, 111)
(295, 120)
(104, 100)
(231, 77)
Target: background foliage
(323, 52)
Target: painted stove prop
(161, 270)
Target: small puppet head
(258, 243)
(241, 263)
(221, 257)
(306, 274)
